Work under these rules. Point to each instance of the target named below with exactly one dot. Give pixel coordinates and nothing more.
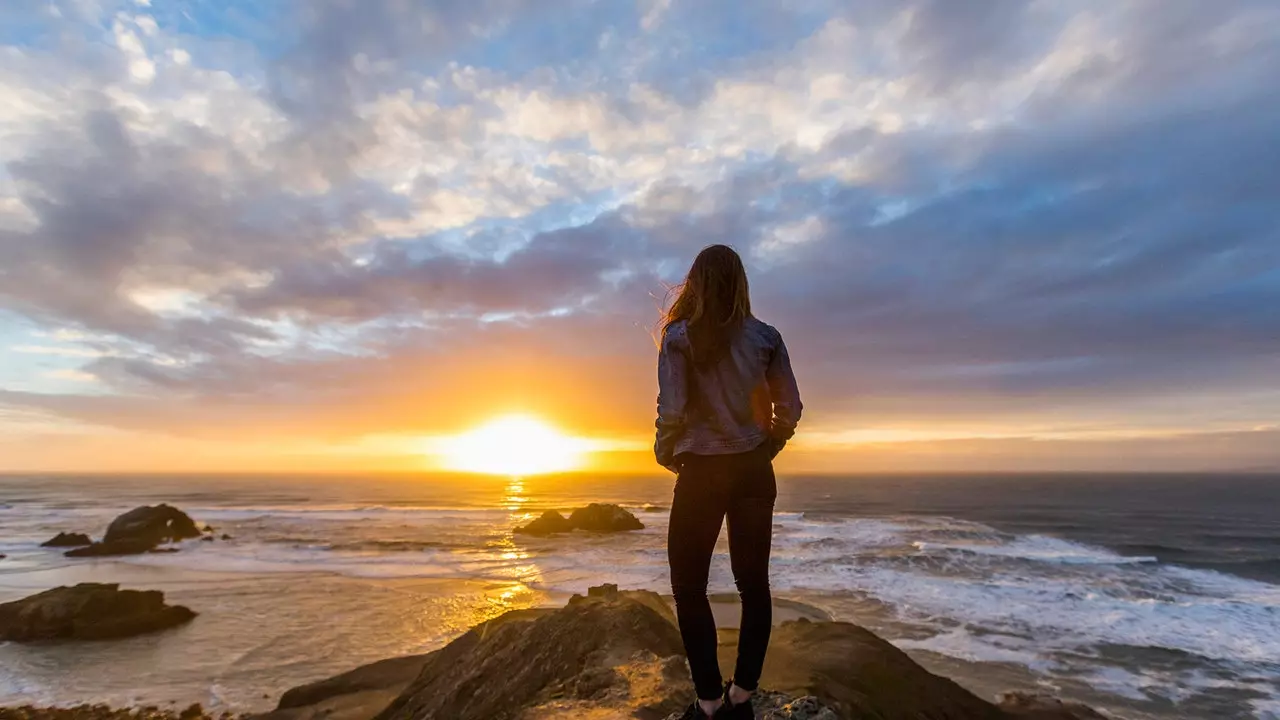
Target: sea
(1146, 596)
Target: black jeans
(710, 488)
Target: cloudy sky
(997, 234)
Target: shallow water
(1150, 596)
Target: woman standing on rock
(727, 404)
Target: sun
(515, 445)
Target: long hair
(714, 301)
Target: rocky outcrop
(596, 518)
(89, 611)
(105, 712)
(122, 547)
(549, 523)
(770, 705)
(141, 530)
(63, 539)
(595, 650)
(154, 524)
(617, 654)
(602, 518)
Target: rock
(608, 591)
(603, 518)
(209, 529)
(63, 539)
(549, 523)
(152, 524)
(857, 674)
(96, 712)
(192, 712)
(596, 517)
(3, 557)
(226, 536)
(140, 530)
(394, 673)
(617, 654)
(121, 547)
(594, 646)
(88, 611)
(207, 538)
(780, 706)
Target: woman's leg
(697, 511)
(750, 537)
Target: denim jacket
(745, 399)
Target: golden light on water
(516, 446)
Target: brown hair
(713, 300)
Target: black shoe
(694, 712)
(729, 711)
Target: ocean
(1148, 596)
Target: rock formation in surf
(88, 611)
(140, 530)
(596, 518)
(63, 539)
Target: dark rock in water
(226, 536)
(151, 524)
(602, 518)
(88, 611)
(207, 538)
(120, 547)
(209, 529)
(596, 517)
(63, 539)
(550, 523)
(3, 557)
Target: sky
(998, 235)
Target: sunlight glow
(516, 445)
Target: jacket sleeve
(785, 395)
(673, 396)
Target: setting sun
(514, 445)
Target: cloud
(955, 212)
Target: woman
(727, 404)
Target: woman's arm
(785, 394)
(673, 397)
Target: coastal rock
(770, 705)
(63, 539)
(617, 654)
(88, 611)
(604, 518)
(151, 524)
(121, 547)
(103, 712)
(140, 530)
(603, 649)
(549, 523)
(596, 518)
